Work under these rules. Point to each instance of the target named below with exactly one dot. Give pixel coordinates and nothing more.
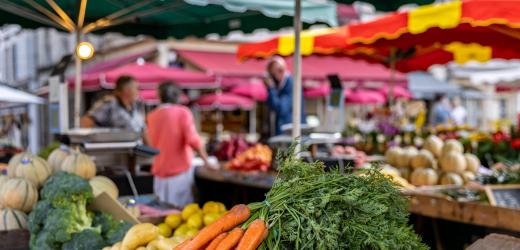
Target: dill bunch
(309, 208)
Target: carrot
(182, 245)
(253, 236)
(231, 219)
(231, 240)
(214, 243)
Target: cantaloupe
(472, 162)
(3, 180)
(424, 177)
(452, 145)
(57, 157)
(453, 162)
(433, 144)
(449, 178)
(18, 193)
(12, 219)
(392, 154)
(423, 159)
(14, 161)
(33, 168)
(403, 160)
(468, 176)
(79, 164)
(405, 173)
(101, 184)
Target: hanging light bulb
(85, 50)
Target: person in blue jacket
(280, 89)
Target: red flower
(515, 143)
(499, 137)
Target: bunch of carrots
(234, 230)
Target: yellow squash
(139, 235)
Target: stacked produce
(309, 208)
(438, 162)
(256, 158)
(231, 148)
(61, 220)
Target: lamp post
(84, 51)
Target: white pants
(176, 190)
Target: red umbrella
(148, 75)
(398, 92)
(150, 96)
(224, 101)
(360, 96)
(253, 90)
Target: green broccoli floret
(63, 187)
(44, 241)
(38, 216)
(112, 230)
(85, 240)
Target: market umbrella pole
(77, 89)
(297, 93)
(392, 77)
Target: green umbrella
(388, 5)
(165, 18)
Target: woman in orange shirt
(171, 129)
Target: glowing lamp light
(85, 50)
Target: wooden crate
(440, 207)
(14, 240)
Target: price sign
(504, 195)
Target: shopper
(280, 88)
(440, 114)
(171, 129)
(458, 112)
(119, 110)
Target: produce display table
(439, 207)
(249, 179)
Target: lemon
(210, 218)
(191, 232)
(164, 230)
(173, 220)
(189, 210)
(195, 221)
(210, 207)
(221, 207)
(181, 230)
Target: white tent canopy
(12, 95)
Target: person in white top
(458, 112)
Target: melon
(18, 193)
(3, 180)
(405, 173)
(423, 159)
(468, 176)
(450, 178)
(12, 219)
(453, 162)
(33, 168)
(101, 184)
(392, 154)
(79, 164)
(424, 177)
(57, 157)
(403, 161)
(433, 144)
(14, 161)
(452, 145)
(472, 162)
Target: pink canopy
(398, 92)
(224, 101)
(255, 90)
(360, 96)
(317, 92)
(150, 96)
(148, 75)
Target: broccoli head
(112, 230)
(85, 240)
(38, 216)
(63, 188)
(64, 221)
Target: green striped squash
(14, 161)
(79, 164)
(12, 219)
(57, 157)
(18, 193)
(35, 169)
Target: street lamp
(84, 50)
